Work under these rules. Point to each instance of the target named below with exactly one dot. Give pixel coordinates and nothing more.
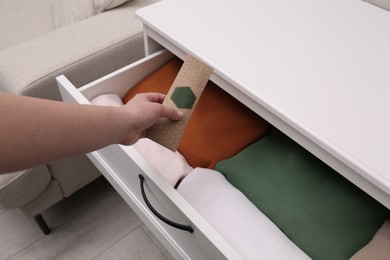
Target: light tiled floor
(94, 223)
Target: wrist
(129, 131)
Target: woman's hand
(145, 110)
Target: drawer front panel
(122, 172)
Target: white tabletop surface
(321, 65)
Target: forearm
(36, 131)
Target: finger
(171, 113)
(155, 97)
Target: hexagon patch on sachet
(183, 97)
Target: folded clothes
(220, 125)
(378, 248)
(171, 165)
(318, 209)
(107, 100)
(158, 81)
(219, 128)
(235, 218)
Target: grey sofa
(32, 54)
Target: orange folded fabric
(220, 126)
(159, 81)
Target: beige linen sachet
(183, 95)
(378, 248)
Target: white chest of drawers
(317, 70)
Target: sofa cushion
(66, 12)
(51, 195)
(19, 188)
(83, 52)
(104, 5)
(21, 21)
(73, 173)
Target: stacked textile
(107, 100)
(323, 213)
(220, 125)
(234, 217)
(171, 165)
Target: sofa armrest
(82, 51)
(19, 188)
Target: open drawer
(122, 165)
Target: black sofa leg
(42, 224)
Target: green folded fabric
(319, 210)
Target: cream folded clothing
(232, 215)
(171, 165)
(107, 100)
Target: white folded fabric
(238, 220)
(171, 165)
(107, 100)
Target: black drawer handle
(161, 217)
